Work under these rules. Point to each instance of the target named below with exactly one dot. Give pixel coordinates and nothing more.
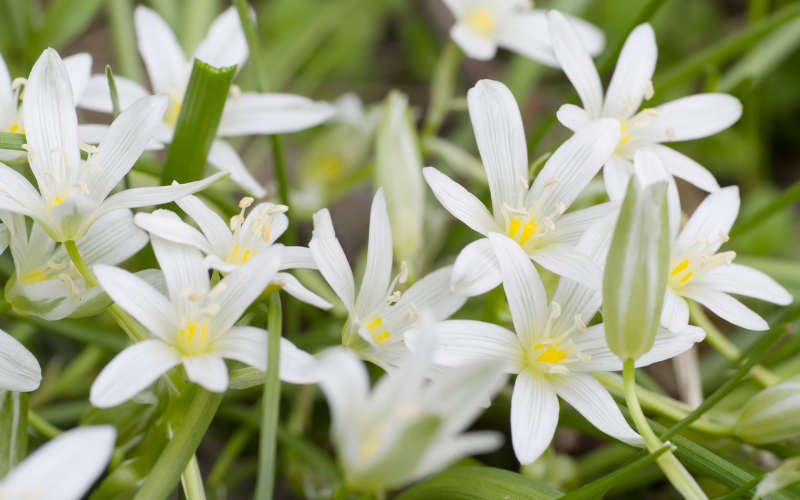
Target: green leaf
(197, 123)
(480, 483)
(133, 417)
(64, 21)
(13, 429)
(12, 141)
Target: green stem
(44, 427)
(233, 448)
(663, 405)
(112, 88)
(442, 85)
(193, 481)
(727, 348)
(251, 35)
(271, 405)
(789, 196)
(672, 468)
(176, 455)
(281, 172)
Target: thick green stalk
(270, 408)
(672, 468)
(123, 38)
(727, 348)
(442, 85)
(12, 141)
(173, 460)
(196, 127)
(250, 33)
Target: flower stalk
(271, 406)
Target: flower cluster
(590, 287)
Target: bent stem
(176, 455)
(193, 481)
(727, 348)
(672, 468)
(271, 406)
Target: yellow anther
(724, 237)
(551, 182)
(556, 309)
(651, 112)
(71, 288)
(236, 221)
(514, 227)
(90, 164)
(277, 209)
(550, 355)
(688, 276)
(403, 272)
(235, 92)
(680, 267)
(548, 343)
(649, 91)
(527, 232)
(18, 82)
(579, 323)
(375, 323)
(561, 208)
(382, 336)
(265, 232)
(54, 175)
(88, 148)
(547, 221)
(245, 256)
(57, 265)
(29, 149)
(413, 312)
(63, 152)
(670, 134)
(196, 296)
(559, 370)
(393, 297)
(523, 182)
(245, 202)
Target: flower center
(251, 234)
(378, 329)
(698, 260)
(193, 324)
(173, 108)
(482, 21)
(552, 354)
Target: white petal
(576, 62)
(166, 63)
(573, 117)
(112, 239)
(50, 119)
(64, 468)
(79, 69)
(534, 415)
(345, 382)
(526, 33)
(501, 140)
(649, 169)
(298, 366)
(743, 280)
(242, 287)
(617, 173)
(431, 295)
(97, 96)
(331, 259)
(150, 196)
(445, 452)
(462, 204)
(124, 143)
(716, 213)
(379, 258)
(298, 258)
(293, 287)
(675, 313)
(669, 344)
(18, 191)
(634, 70)
(8, 105)
(687, 169)
(93, 133)
(214, 228)
(131, 371)
(225, 44)
(19, 369)
(575, 300)
(726, 307)
(476, 270)
(174, 230)
(473, 45)
(691, 117)
(526, 295)
(146, 304)
(592, 400)
(207, 370)
(225, 158)
(574, 164)
(571, 227)
(565, 261)
(267, 114)
(462, 342)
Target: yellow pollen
(514, 227)
(527, 232)
(172, 113)
(246, 255)
(384, 335)
(683, 265)
(481, 21)
(375, 323)
(36, 277)
(688, 275)
(14, 128)
(551, 355)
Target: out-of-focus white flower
(398, 169)
(194, 325)
(72, 193)
(245, 113)
(380, 315)
(553, 351)
(405, 428)
(533, 216)
(772, 415)
(680, 120)
(779, 478)
(47, 284)
(63, 468)
(483, 25)
(698, 271)
(228, 247)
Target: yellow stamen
(515, 224)
(384, 335)
(14, 128)
(375, 323)
(683, 265)
(551, 355)
(527, 232)
(688, 275)
(246, 255)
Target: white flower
(63, 468)
(553, 351)
(533, 216)
(483, 25)
(698, 271)
(405, 429)
(47, 284)
(680, 120)
(79, 68)
(72, 193)
(247, 113)
(193, 326)
(380, 315)
(228, 247)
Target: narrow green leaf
(12, 141)
(197, 123)
(112, 88)
(442, 87)
(13, 429)
(480, 483)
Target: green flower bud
(636, 271)
(771, 415)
